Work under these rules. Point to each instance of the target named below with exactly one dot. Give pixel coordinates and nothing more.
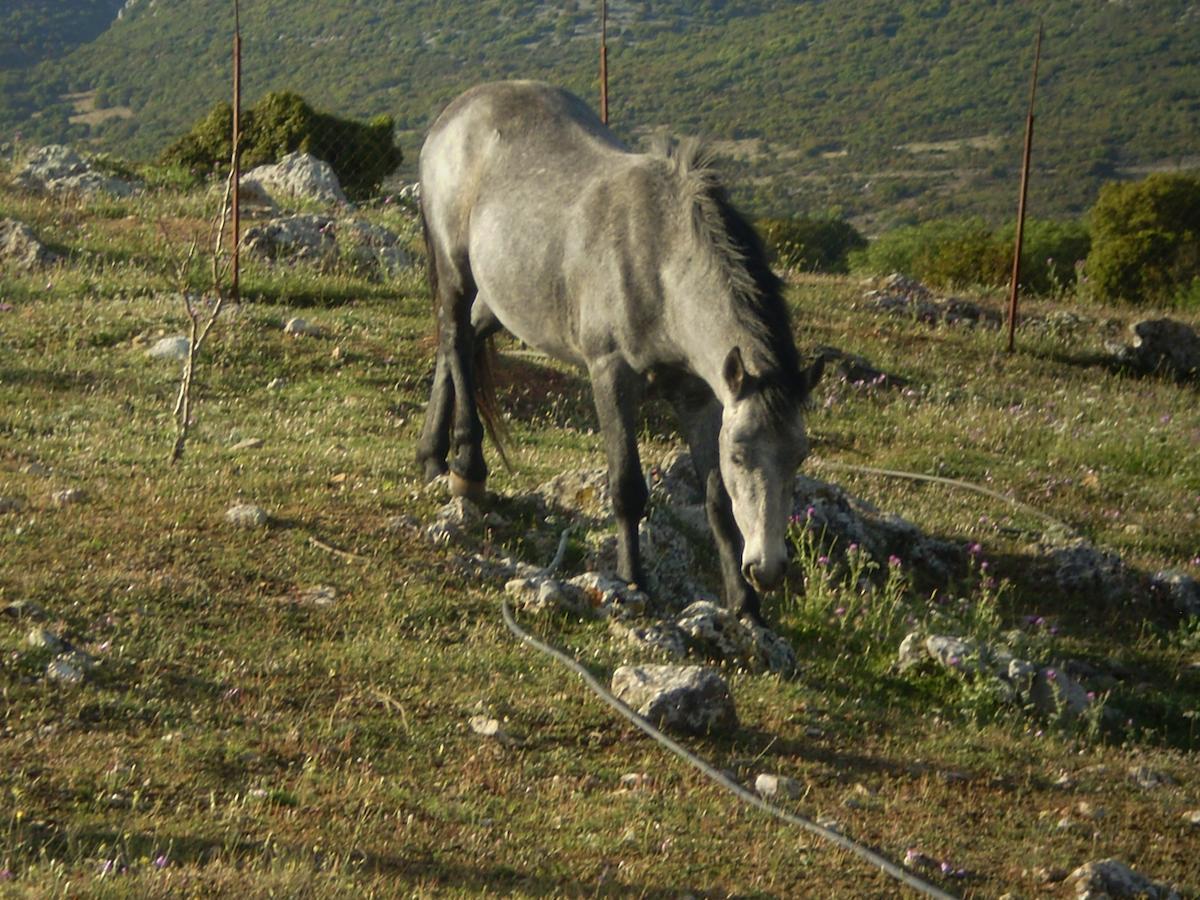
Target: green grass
(251, 745)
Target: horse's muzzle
(764, 576)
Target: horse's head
(762, 444)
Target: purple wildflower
(975, 549)
(894, 561)
(161, 861)
(840, 611)
(1051, 675)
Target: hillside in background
(879, 111)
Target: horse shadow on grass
(116, 850)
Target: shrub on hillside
(361, 153)
(1146, 241)
(958, 253)
(811, 245)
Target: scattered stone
(65, 670)
(324, 241)
(1162, 346)
(58, 169)
(68, 496)
(247, 515)
(610, 596)
(912, 652)
(487, 727)
(1110, 879)
(24, 609)
(403, 523)
(297, 176)
(767, 786)
(19, 247)
(276, 384)
(689, 699)
(953, 653)
(298, 327)
(1150, 779)
(635, 781)
(1048, 874)
(1180, 590)
(1192, 817)
(247, 444)
(540, 594)
(662, 638)
(453, 521)
(1080, 568)
(907, 297)
(717, 634)
(11, 504)
(43, 638)
(170, 348)
(580, 489)
(319, 596)
(371, 247)
(1056, 694)
(839, 520)
(857, 370)
(306, 238)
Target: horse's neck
(708, 328)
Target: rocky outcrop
(60, 170)
(298, 176)
(325, 241)
(686, 699)
(20, 248)
(1162, 346)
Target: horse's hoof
(474, 491)
(433, 468)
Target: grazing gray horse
(635, 267)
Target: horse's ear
(737, 379)
(813, 374)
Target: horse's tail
(484, 361)
(430, 267)
(485, 397)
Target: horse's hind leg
(433, 448)
(699, 414)
(616, 390)
(452, 426)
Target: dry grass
(231, 741)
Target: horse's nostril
(749, 573)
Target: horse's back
(511, 136)
(527, 192)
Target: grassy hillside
(912, 108)
(237, 738)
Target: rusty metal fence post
(604, 61)
(1014, 286)
(236, 161)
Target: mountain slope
(913, 107)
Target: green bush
(361, 153)
(811, 245)
(1146, 241)
(957, 253)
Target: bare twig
(201, 323)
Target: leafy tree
(811, 245)
(1146, 240)
(362, 154)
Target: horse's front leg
(434, 444)
(699, 416)
(616, 390)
